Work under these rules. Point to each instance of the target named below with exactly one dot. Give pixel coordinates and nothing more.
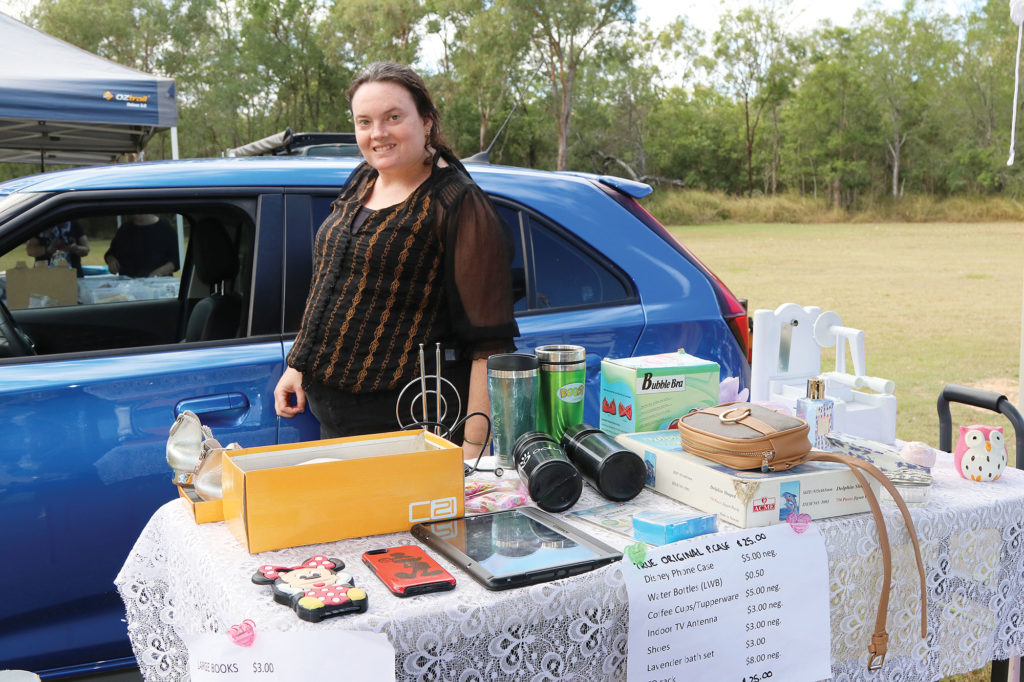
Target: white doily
(181, 577)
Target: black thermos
(551, 479)
(617, 473)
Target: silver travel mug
(512, 385)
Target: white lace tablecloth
(182, 577)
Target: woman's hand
(289, 385)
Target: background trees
(911, 100)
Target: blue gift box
(662, 528)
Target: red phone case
(407, 570)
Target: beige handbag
(746, 436)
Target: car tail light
(733, 310)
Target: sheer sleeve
(478, 274)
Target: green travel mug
(563, 375)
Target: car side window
(566, 276)
(96, 259)
(550, 271)
(101, 279)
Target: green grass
(940, 303)
(696, 207)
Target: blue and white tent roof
(61, 104)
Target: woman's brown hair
(400, 74)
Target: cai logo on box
(431, 510)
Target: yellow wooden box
(320, 491)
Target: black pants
(342, 413)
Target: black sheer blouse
(433, 268)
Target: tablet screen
(514, 543)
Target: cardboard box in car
(320, 491)
(40, 286)
(651, 392)
(748, 499)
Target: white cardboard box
(748, 499)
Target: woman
(412, 253)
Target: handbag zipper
(765, 455)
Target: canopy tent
(61, 104)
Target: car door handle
(223, 406)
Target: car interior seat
(216, 265)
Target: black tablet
(515, 547)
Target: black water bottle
(551, 479)
(618, 473)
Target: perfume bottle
(816, 410)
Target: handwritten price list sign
(746, 606)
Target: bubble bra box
(651, 392)
(748, 499)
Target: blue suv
(89, 385)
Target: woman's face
(390, 132)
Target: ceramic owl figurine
(980, 454)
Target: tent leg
(174, 142)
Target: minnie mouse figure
(315, 589)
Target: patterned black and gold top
(433, 268)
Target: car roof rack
(287, 143)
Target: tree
(358, 32)
(282, 45)
(977, 99)
(902, 54)
(563, 33)
(620, 89)
(696, 135)
(832, 122)
(486, 76)
(129, 32)
(751, 49)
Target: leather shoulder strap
(880, 638)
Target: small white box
(748, 499)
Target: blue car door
(83, 463)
